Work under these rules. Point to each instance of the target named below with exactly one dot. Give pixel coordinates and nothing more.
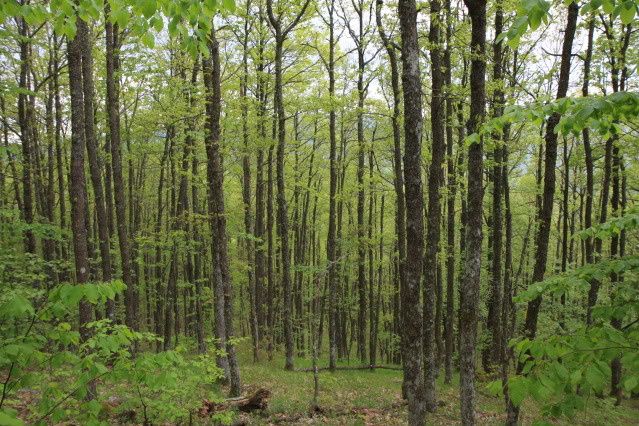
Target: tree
(435, 178)
(219, 238)
(113, 112)
(550, 158)
(281, 32)
(469, 291)
(78, 191)
(331, 249)
(412, 311)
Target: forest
(367, 212)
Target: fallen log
(258, 400)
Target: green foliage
(563, 370)
(43, 351)
(532, 13)
(602, 114)
(162, 385)
(189, 19)
(32, 324)
(624, 9)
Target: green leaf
(9, 419)
(627, 12)
(494, 387)
(18, 306)
(517, 389)
(631, 383)
(91, 293)
(158, 24)
(148, 7)
(148, 40)
(120, 17)
(595, 378)
(473, 139)
(228, 5)
(608, 6)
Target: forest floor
(365, 397)
(346, 397)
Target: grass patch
(364, 397)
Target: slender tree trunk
(159, 263)
(411, 306)
(372, 201)
(358, 39)
(197, 261)
(469, 292)
(282, 208)
(546, 208)
(246, 188)
(260, 231)
(398, 177)
(380, 283)
(331, 249)
(216, 205)
(64, 256)
(25, 133)
(507, 307)
(545, 214)
(435, 177)
(450, 207)
(589, 252)
(49, 248)
(616, 390)
(495, 291)
(113, 112)
(78, 192)
(94, 164)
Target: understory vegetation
(319, 211)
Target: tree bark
(215, 177)
(469, 292)
(25, 134)
(545, 214)
(331, 249)
(546, 208)
(450, 207)
(94, 164)
(78, 192)
(113, 112)
(411, 306)
(435, 177)
(493, 350)
(398, 176)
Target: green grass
(347, 397)
(364, 397)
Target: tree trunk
(589, 252)
(450, 208)
(331, 249)
(398, 176)
(546, 208)
(411, 306)
(25, 134)
(78, 192)
(246, 188)
(469, 293)
(435, 177)
(493, 350)
(216, 206)
(113, 112)
(94, 164)
(545, 214)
